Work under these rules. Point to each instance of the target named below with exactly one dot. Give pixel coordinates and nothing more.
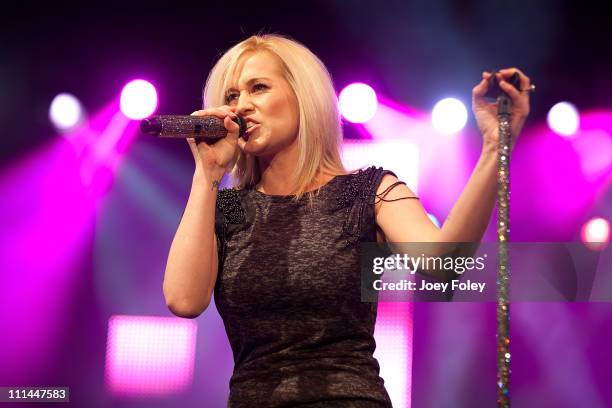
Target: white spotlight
(449, 116)
(595, 233)
(563, 119)
(358, 102)
(138, 99)
(65, 112)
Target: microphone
(208, 128)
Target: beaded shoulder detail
(356, 198)
(356, 187)
(228, 202)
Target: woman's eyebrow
(250, 81)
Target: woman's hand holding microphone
(213, 161)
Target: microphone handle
(209, 128)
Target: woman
(281, 250)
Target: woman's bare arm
(407, 220)
(191, 269)
(408, 229)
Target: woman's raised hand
(213, 161)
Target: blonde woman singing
(280, 250)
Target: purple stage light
(593, 144)
(449, 116)
(595, 233)
(400, 155)
(149, 355)
(100, 144)
(563, 119)
(358, 102)
(66, 112)
(407, 144)
(394, 333)
(49, 223)
(138, 99)
(594, 148)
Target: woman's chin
(254, 145)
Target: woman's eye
(233, 96)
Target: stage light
(394, 333)
(401, 155)
(595, 233)
(563, 119)
(65, 112)
(594, 148)
(138, 99)
(358, 102)
(449, 116)
(149, 355)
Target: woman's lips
(250, 130)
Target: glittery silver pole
(503, 271)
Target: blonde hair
(320, 130)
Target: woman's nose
(244, 105)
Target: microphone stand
(504, 108)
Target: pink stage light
(563, 119)
(594, 148)
(393, 334)
(399, 155)
(138, 99)
(149, 356)
(595, 233)
(44, 207)
(358, 102)
(49, 207)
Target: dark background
(414, 52)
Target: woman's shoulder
(360, 184)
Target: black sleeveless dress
(288, 291)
